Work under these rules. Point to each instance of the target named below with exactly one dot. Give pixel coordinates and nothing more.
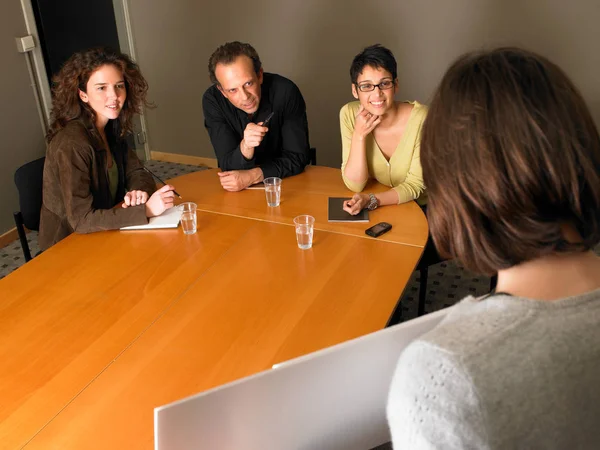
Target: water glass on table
(188, 217)
(304, 231)
(273, 190)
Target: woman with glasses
(380, 136)
(511, 158)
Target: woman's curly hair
(74, 76)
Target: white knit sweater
(502, 373)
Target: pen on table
(158, 178)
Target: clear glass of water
(273, 190)
(304, 231)
(188, 217)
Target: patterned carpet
(447, 282)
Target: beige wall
(20, 127)
(310, 41)
(313, 42)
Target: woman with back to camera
(380, 136)
(511, 160)
(89, 169)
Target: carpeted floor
(447, 282)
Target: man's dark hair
(510, 156)
(376, 56)
(227, 53)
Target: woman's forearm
(389, 197)
(356, 168)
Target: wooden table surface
(304, 194)
(102, 328)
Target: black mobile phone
(378, 229)
(268, 119)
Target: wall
(313, 42)
(20, 127)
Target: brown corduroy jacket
(76, 192)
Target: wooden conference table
(102, 328)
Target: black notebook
(336, 213)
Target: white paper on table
(169, 219)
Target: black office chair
(493, 282)
(313, 156)
(430, 257)
(28, 179)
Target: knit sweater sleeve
(347, 120)
(433, 403)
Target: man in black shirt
(235, 107)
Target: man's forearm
(248, 152)
(255, 175)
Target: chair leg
(22, 236)
(396, 316)
(422, 291)
(493, 282)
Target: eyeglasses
(368, 87)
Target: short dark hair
(375, 56)
(510, 155)
(227, 53)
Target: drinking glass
(273, 190)
(304, 231)
(188, 217)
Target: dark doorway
(68, 26)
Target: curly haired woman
(89, 169)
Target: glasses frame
(358, 86)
